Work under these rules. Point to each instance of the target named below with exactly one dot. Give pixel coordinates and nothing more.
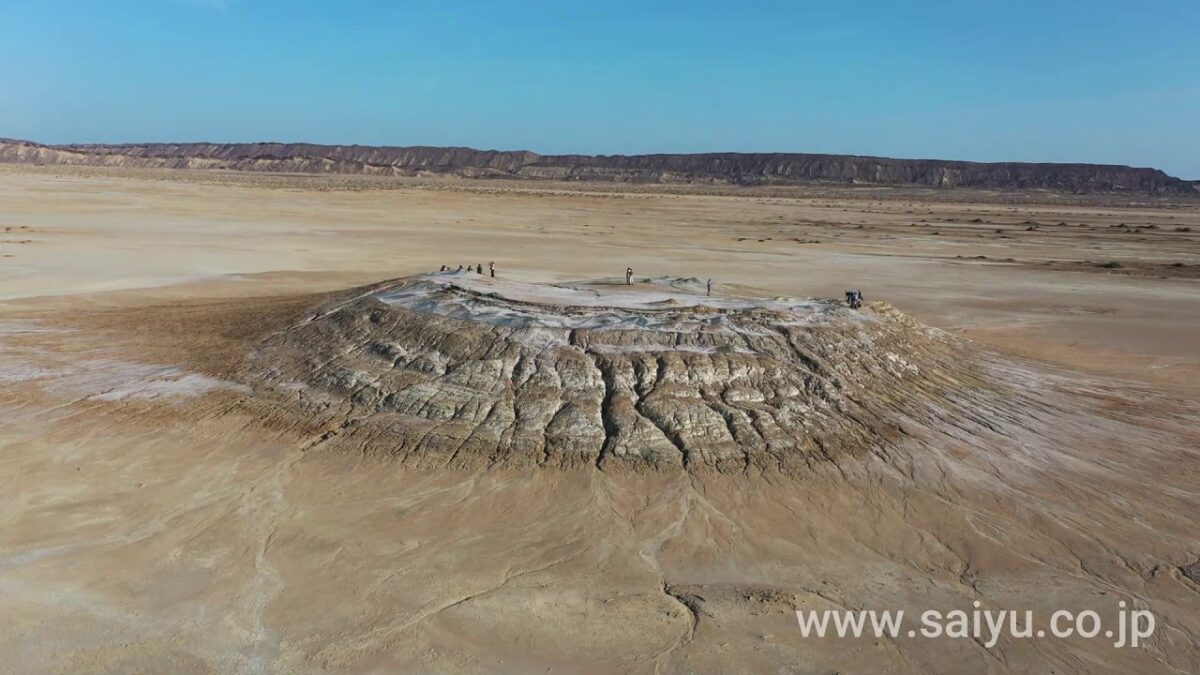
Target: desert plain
(162, 516)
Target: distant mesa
(721, 168)
(459, 370)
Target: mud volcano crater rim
(663, 303)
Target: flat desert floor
(152, 525)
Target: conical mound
(463, 370)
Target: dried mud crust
(459, 370)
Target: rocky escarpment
(707, 168)
(461, 370)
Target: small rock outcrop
(462, 370)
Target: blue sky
(989, 80)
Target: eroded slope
(457, 369)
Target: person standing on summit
(628, 276)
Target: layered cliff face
(716, 168)
(460, 370)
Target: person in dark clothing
(492, 269)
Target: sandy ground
(147, 531)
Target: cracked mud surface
(461, 370)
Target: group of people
(478, 269)
(854, 299)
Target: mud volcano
(461, 370)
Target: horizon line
(596, 155)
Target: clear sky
(1112, 81)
